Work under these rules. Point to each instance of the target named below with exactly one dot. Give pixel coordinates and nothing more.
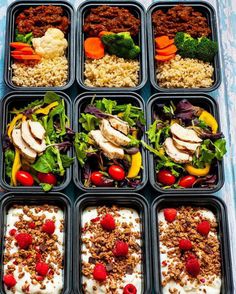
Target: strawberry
(121, 249)
(193, 267)
(42, 268)
(108, 222)
(185, 244)
(9, 281)
(12, 232)
(99, 272)
(24, 240)
(130, 289)
(48, 227)
(31, 225)
(203, 228)
(170, 214)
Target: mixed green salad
(36, 143)
(186, 144)
(108, 147)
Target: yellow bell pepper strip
(13, 123)
(199, 172)
(136, 163)
(16, 166)
(209, 119)
(24, 118)
(46, 109)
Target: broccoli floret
(206, 49)
(186, 45)
(180, 38)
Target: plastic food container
(13, 10)
(198, 99)
(218, 207)
(132, 200)
(18, 100)
(137, 10)
(79, 105)
(209, 12)
(27, 198)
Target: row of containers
(76, 36)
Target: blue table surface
(225, 96)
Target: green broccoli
(121, 45)
(187, 46)
(206, 49)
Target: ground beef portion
(38, 19)
(112, 19)
(180, 18)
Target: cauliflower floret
(52, 44)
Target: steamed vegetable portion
(186, 144)
(108, 145)
(36, 143)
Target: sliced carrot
(27, 57)
(162, 42)
(28, 50)
(102, 33)
(172, 41)
(164, 58)
(19, 45)
(167, 51)
(94, 48)
(20, 52)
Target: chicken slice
(112, 135)
(25, 150)
(37, 129)
(185, 146)
(119, 124)
(30, 140)
(184, 134)
(175, 154)
(110, 150)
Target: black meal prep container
(27, 198)
(199, 99)
(135, 8)
(218, 207)
(79, 105)
(132, 200)
(19, 99)
(209, 12)
(12, 12)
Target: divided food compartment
(129, 200)
(198, 99)
(79, 105)
(13, 10)
(209, 12)
(19, 99)
(218, 207)
(28, 198)
(137, 10)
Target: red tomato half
(116, 172)
(48, 178)
(165, 177)
(99, 180)
(24, 178)
(187, 181)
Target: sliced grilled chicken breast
(110, 150)
(175, 154)
(185, 146)
(37, 129)
(30, 140)
(25, 150)
(184, 134)
(119, 124)
(112, 135)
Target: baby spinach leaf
(51, 97)
(9, 159)
(88, 121)
(46, 162)
(66, 160)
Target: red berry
(12, 232)
(170, 214)
(39, 278)
(99, 272)
(185, 244)
(42, 268)
(38, 256)
(9, 281)
(48, 227)
(96, 219)
(108, 222)
(130, 289)
(116, 172)
(191, 256)
(24, 240)
(31, 225)
(204, 228)
(193, 267)
(166, 178)
(121, 249)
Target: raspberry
(170, 214)
(130, 289)
(204, 228)
(31, 225)
(24, 240)
(108, 222)
(12, 232)
(193, 267)
(121, 249)
(99, 272)
(191, 256)
(39, 278)
(185, 244)
(9, 281)
(42, 268)
(48, 227)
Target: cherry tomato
(47, 178)
(165, 177)
(24, 178)
(187, 181)
(99, 180)
(116, 172)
